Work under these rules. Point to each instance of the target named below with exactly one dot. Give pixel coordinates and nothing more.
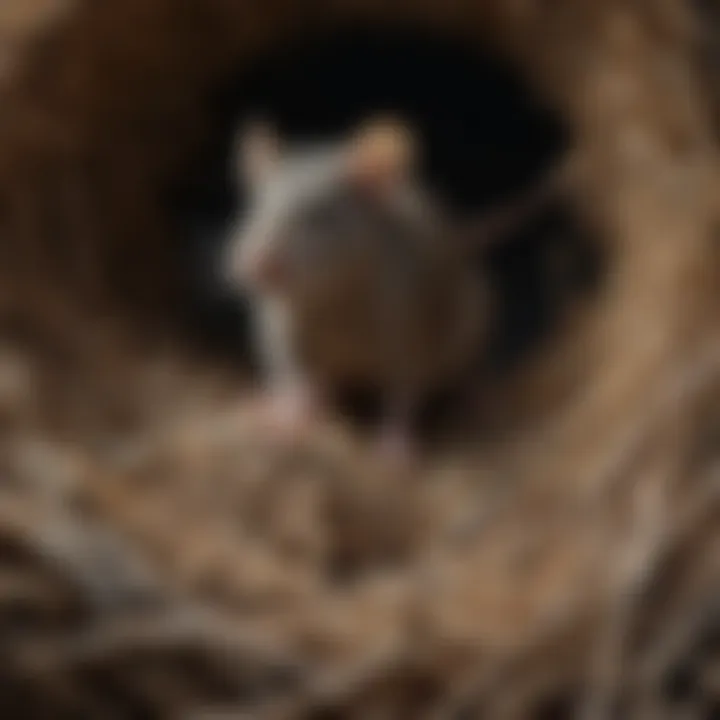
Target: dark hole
(486, 140)
(681, 684)
(562, 705)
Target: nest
(162, 558)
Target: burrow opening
(486, 138)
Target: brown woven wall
(582, 584)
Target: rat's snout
(261, 267)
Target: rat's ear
(381, 152)
(257, 151)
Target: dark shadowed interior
(486, 139)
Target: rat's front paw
(290, 412)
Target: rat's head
(314, 213)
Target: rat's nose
(262, 268)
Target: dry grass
(159, 556)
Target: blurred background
(555, 554)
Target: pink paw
(289, 413)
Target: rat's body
(356, 276)
(398, 308)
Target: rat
(355, 274)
